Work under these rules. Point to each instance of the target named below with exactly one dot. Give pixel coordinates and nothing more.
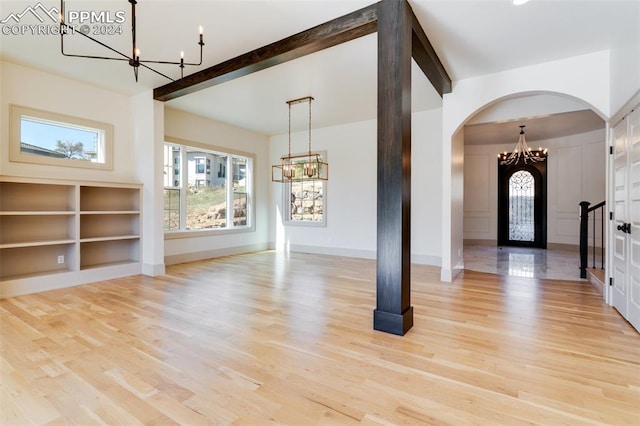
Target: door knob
(625, 227)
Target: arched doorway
(522, 205)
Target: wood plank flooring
(287, 339)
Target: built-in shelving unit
(52, 231)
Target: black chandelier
(522, 153)
(134, 59)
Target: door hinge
(611, 281)
(610, 150)
(610, 215)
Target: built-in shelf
(36, 243)
(48, 227)
(114, 238)
(37, 213)
(105, 252)
(36, 260)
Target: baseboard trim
(37, 284)
(332, 251)
(448, 275)
(211, 254)
(550, 246)
(153, 270)
(564, 247)
(419, 259)
(473, 242)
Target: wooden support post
(394, 313)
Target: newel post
(584, 237)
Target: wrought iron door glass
(521, 206)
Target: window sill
(306, 223)
(197, 233)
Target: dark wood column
(394, 313)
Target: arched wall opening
(566, 79)
(577, 162)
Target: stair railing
(585, 210)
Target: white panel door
(619, 244)
(633, 272)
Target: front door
(626, 227)
(522, 205)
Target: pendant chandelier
(300, 167)
(522, 153)
(133, 60)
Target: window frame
(230, 154)
(286, 196)
(17, 112)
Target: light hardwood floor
(270, 338)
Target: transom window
(200, 195)
(43, 137)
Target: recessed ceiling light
(519, 2)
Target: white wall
(575, 172)
(351, 199)
(192, 128)
(36, 89)
(625, 69)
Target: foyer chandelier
(133, 60)
(522, 153)
(301, 167)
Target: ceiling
(471, 37)
(539, 128)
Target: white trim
(16, 112)
(423, 259)
(151, 270)
(212, 254)
(448, 275)
(418, 259)
(333, 251)
(36, 284)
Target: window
(200, 165)
(305, 200)
(196, 201)
(43, 137)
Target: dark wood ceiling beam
(337, 31)
(427, 59)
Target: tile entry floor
(524, 262)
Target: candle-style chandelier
(133, 60)
(522, 153)
(300, 167)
